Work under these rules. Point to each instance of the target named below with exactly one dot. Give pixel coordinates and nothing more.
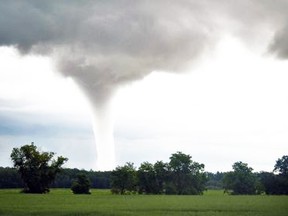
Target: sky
(147, 79)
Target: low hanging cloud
(280, 43)
(103, 44)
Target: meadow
(102, 202)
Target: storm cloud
(103, 44)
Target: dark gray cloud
(103, 44)
(280, 43)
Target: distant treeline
(266, 182)
(10, 178)
(180, 175)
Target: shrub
(81, 185)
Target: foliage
(81, 185)
(147, 181)
(152, 178)
(214, 180)
(276, 183)
(186, 176)
(161, 173)
(62, 202)
(37, 169)
(160, 178)
(10, 178)
(281, 166)
(180, 176)
(269, 182)
(124, 179)
(241, 181)
(100, 180)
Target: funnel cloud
(105, 44)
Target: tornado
(103, 45)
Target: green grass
(101, 202)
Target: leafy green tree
(269, 182)
(161, 173)
(147, 179)
(277, 184)
(37, 169)
(281, 166)
(124, 179)
(186, 176)
(241, 181)
(81, 185)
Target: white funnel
(103, 131)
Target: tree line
(242, 180)
(10, 178)
(37, 171)
(184, 176)
(181, 175)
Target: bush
(81, 185)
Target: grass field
(101, 202)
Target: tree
(147, 179)
(281, 166)
(186, 176)
(124, 179)
(81, 185)
(161, 173)
(270, 183)
(37, 169)
(241, 181)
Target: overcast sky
(206, 78)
